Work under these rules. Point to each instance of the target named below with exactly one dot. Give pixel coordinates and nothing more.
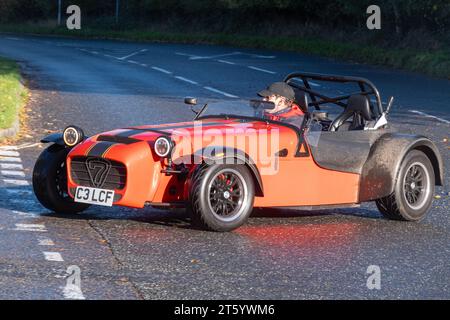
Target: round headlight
(163, 147)
(72, 135)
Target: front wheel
(413, 192)
(50, 181)
(221, 196)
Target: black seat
(301, 99)
(358, 107)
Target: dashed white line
(186, 80)
(27, 145)
(15, 166)
(226, 61)
(185, 54)
(18, 191)
(263, 57)
(30, 227)
(132, 54)
(215, 56)
(26, 202)
(26, 214)
(16, 182)
(262, 70)
(53, 256)
(8, 153)
(161, 70)
(221, 92)
(94, 52)
(10, 159)
(45, 242)
(143, 65)
(8, 148)
(426, 115)
(13, 173)
(133, 62)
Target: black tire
(50, 181)
(217, 189)
(414, 189)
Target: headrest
(359, 104)
(301, 99)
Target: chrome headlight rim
(76, 133)
(169, 144)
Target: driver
(283, 96)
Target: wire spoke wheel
(227, 192)
(416, 185)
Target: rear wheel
(414, 189)
(50, 181)
(221, 197)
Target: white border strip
(426, 115)
(262, 70)
(221, 92)
(186, 80)
(161, 70)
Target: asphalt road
(152, 254)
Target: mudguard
(379, 173)
(56, 138)
(227, 155)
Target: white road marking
(185, 54)
(10, 159)
(186, 80)
(262, 57)
(215, 56)
(262, 70)
(94, 52)
(26, 202)
(45, 242)
(110, 56)
(426, 115)
(26, 214)
(13, 173)
(27, 145)
(30, 227)
(13, 38)
(143, 65)
(133, 62)
(8, 153)
(71, 291)
(53, 256)
(161, 70)
(226, 61)
(8, 148)
(16, 182)
(221, 92)
(16, 166)
(19, 191)
(132, 54)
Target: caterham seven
(340, 152)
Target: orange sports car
(339, 151)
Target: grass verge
(435, 62)
(12, 93)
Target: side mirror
(190, 100)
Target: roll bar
(366, 88)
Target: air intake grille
(98, 173)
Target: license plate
(102, 197)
